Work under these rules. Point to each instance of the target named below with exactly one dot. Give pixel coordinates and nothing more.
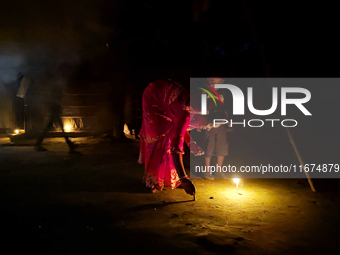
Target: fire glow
(18, 131)
(68, 124)
(67, 128)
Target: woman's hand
(188, 186)
(208, 127)
(195, 149)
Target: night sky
(198, 38)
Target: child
(217, 137)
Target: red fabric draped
(166, 117)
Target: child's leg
(220, 160)
(222, 147)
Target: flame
(67, 128)
(72, 124)
(18, 131)
(237, 181)
(126, 130)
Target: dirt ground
(94, 203)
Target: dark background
(131, 43)
(149, 40)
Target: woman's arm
(194, 148)
(179, 133)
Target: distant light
(16, 131)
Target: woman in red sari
(166, 119)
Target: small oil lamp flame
(237, 181)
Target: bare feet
(155, 188)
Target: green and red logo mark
(210, 94)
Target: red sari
(166, 118)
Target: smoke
(9, 67)
(36, 62)
(43, 38)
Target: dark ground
(94, 203)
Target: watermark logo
(280, 97)
(238, 100)
(204, 96)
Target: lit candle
(237, 181)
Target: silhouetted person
(55, 111)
